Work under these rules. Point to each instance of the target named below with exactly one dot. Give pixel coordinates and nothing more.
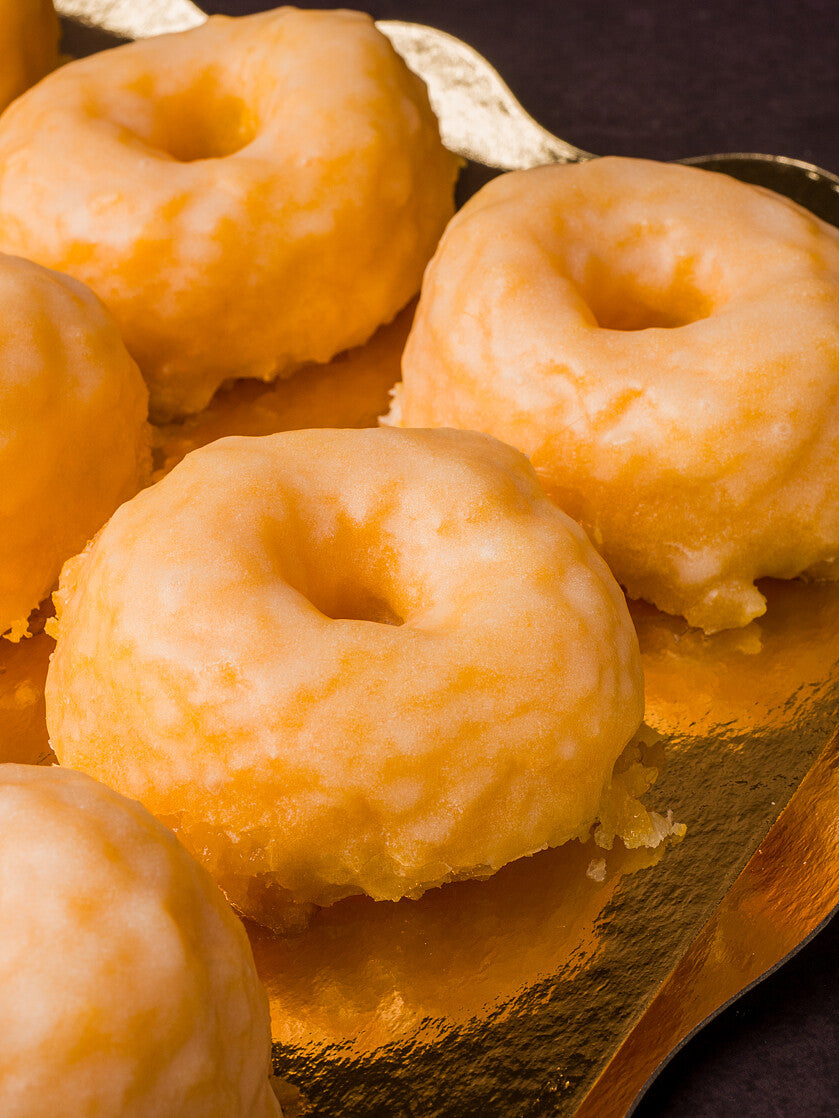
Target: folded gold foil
(790, 885)
(571, 973)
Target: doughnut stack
(343, 662)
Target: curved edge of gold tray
(786, 893)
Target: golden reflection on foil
(23, 670)
(370, 974)
(513, 995)
(790, 885)
(353, 390)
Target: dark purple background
(665, 80)
(661, 78)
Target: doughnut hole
(342, 662)
(634, 272)
(203, 123)
(206, 120)
(367, 584)
(620, 299)
(353, 602)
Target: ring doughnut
(28, 45)
(238, 214)
(663, 343)
(127, 985)
(74, 442)
(347, 662)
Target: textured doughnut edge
(663, 343)
(74, 441)
(345, 662)
(239, 215)
(127, 985)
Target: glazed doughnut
(663, 342)
(347, 662)
(239, 214)
(127, 985)
(74, 442)
(28, 45)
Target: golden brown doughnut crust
(127, 986)
(74, 442)
(28, 45)
(663, 342)
(347, 661)
(245, 197)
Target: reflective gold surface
(23, 669)
(523, 987)
(789, 886)
(133, 19)
(352, 391)
(519, 991)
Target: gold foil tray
(556, 986)
(514, 995)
